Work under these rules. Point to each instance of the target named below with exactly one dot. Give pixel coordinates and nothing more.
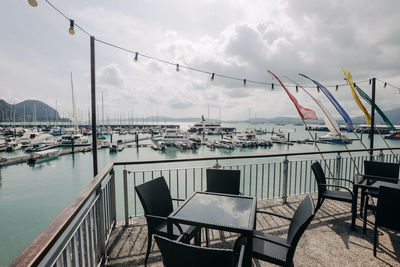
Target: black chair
(381, 171)
(177, 254)
(223, 181)
(323, 192)
(278, 250)
(387, 211)
(157, 205)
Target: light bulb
(297, 89)
(337, 87)
(136, 57)
(71, 27)
(33, 3)
(212, 77)
(177, 67)
(244, 83)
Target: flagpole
(338, 133)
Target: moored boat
(42, 156)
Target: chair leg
(207, 239)
(365, 214)
(376, 241)
(362, 201)
(149, 240)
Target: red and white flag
(305, 113)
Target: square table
(364, 185)
(232, 213)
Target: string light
(354, 84)
(212, 76)
(33, 3)
(337, 88)
(384, 86)
(297, 89)
(71, 27)
(136, 57)
(318, 89)
(244, 83)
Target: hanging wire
(191, 68)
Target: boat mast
(74, 120)
(102, 111)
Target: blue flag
(349, 123)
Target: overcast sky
(237, 38)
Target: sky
(242, 39)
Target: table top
(213, 209)
(376, 184)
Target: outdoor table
(232, 213)
(364, 185)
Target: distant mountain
(393, 115)
(43, 112)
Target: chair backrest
(388, 208)
(155, 197)
(300, 221)
(384, 169)
(177, 254)
(319, 176)
(223, 181)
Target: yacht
(171, 137)
(209, 127)
(78, 139)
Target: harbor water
(32, 196)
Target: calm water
(31, 197)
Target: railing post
(113, 199)
(381, 156)
(216, 166)
(285, 179)
(338, 169)
(100, 220)
(125, 172)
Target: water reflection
(224, 210)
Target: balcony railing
(79, 234)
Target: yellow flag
(355, 96)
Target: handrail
(35, 251)
(248, 156)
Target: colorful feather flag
(305, 113)
(380, 112)
(355, 96)
(349, 123)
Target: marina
(196, 134)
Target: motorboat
(42, 156)
(114, 147)
(13, 146)
(334, 138)
(393, 136)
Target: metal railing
(79, 235)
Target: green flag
(380, 112)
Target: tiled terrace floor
(328, 241)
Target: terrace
(104, 223)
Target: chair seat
(338, 195)
(269, 251)
(187, 230)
